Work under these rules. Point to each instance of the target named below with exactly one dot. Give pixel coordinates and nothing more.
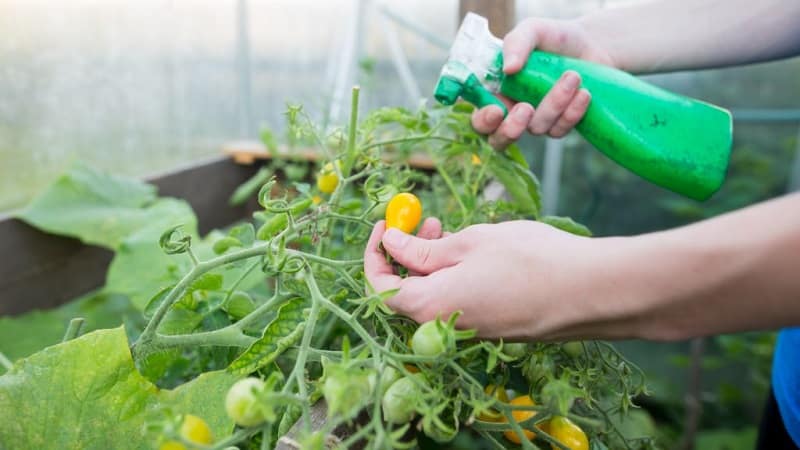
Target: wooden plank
(43, 271)
(500, 13)
(248, 152)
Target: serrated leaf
(520, 183)
(86, 394)
(566, 224)
(284, 330)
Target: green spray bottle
(676, 142)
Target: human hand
(566, 103)
(516, 280)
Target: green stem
(422, 137)
(326, 261)
(73, 329)
(230, 336)
(193, 257)
(352, 131)
(449, 182)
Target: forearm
(737, 272)
(670, 35)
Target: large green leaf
(103, 209)
(519, 181)
(24, 335)
(567, 224)
(86, 394)
(282, 332)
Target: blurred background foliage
(144, 87)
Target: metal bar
(246, 128)
(413, 27)
(49, 270)
(551, 178)
(400, 61)
(765, 115)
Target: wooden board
(41, 271)
(248, 152)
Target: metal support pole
(551, 178)
(246, 129)
(400, 61)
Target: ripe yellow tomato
(327, 180)
(476, 160)
(172, 445)
(492, 415)
(568, 434)
(196, 430)
(403, 212)
(521, 416)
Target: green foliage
(86, 394)
(284, 299)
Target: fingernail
(570, 81)
(511, 61)
(494, 114)
(522, 111)
(395, 238)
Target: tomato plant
(281, 304)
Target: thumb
(422, 255)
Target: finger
(555, 103)
(572, 115)
(431, 229)
(487, 119)
(512, 127)
(422, 255)
(518, 45)
(377, 270)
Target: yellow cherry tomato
(568, 434)
(492, 415)
(196, 430)
(521, 416)
(476, 160)
(172, 445)
(316, 199)
(403, 212)
(327, 180)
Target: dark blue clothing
(786, 380)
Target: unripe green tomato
(573, 349)
(241, 403)
(388, 376)
(429, 340)
(346, 392)
(399, 401)
(516, 350)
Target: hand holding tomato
(518, 280)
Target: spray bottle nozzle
(474, 68)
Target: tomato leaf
(519, 181)
(284, 330)
(566, 224)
